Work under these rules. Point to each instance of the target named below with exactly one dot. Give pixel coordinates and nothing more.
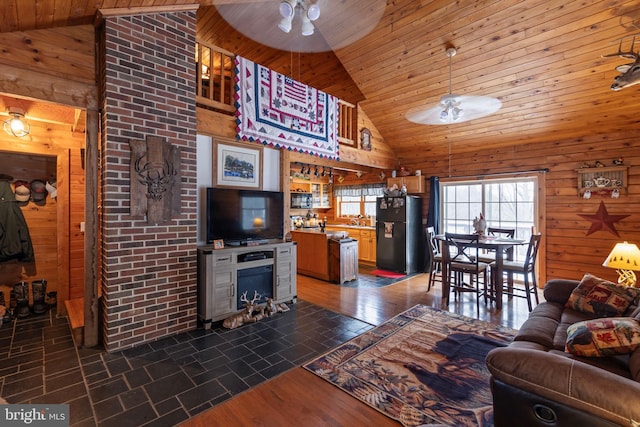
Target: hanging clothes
(15, 241)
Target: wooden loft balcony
(215, 72)
(215, 89)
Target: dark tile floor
(165, 382)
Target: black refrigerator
(400, 240)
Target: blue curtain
(433, 214)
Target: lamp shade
(624, 256)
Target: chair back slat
(502, 232)
(532, 251)
(434, 243)
(464, 246)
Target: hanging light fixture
(451, 111)
(308, 14)
(302, 25)
(454, 108)
(17, 125)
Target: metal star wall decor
(601, 220)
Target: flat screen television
(244, 216)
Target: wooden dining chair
(508, 233)
(436, 257)
(463, 260)
(526, 269)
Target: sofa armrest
(568, 381)
(559, 290)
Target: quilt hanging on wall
(279, 111)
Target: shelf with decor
(610, 181)
(320, 191)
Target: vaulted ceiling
(542, 58)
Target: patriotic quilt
(279, 111)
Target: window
(355, 200)
(504, 204)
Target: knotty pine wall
(569, 252)
(59, 253)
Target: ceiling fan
(454, 108)
(302, 25)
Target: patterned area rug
(424, 366)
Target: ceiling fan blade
(474, 107)
(339, 24)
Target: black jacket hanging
(15, 242)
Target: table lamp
(625, 257)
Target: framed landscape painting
(237, 166)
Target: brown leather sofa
(536, 383)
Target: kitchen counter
(315, 258)
(364, 227)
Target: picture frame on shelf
(218, 244)
(237, 166)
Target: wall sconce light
(17, 125)
(316, 173)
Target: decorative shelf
(605, 181)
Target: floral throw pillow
(602, 298)
(603, 337)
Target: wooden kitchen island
(320, 256)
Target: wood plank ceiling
(541, 58)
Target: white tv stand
(218, 277)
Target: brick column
(148, 85)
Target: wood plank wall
(42, 154)
(569, 251)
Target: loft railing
(214, 70)
(348, 123)
(215, 86)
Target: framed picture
(365, 139)
(237, 166)
(218, 244)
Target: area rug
(388, 274)
(424, 366)
(367, 280)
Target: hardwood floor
(298, 397)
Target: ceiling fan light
(444, 115)
(307, 26)
(456, 113)
(287, 8)
(285, 24)
(313, 12)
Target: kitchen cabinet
(414, 184)
(320, 192)
(367, 245)
(366, 237)
(313, 253)
(343, 260)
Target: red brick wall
(148, 87)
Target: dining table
(501, 246)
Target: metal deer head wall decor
(155, 182)
(158, 180)
(629, 73)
